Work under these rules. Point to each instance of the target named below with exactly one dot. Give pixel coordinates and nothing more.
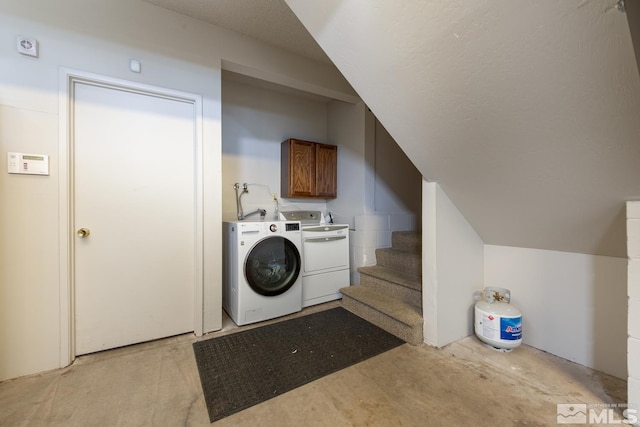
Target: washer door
(272, 266)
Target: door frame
(67, 80)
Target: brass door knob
(83, 232)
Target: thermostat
(29, 164)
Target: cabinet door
(302, 170)
(326, 170)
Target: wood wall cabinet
(309, 169)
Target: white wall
(382, 185)
(633, 292)
(255, 120)
(398, 186)
(257, 117)
(514, 107)
(346, 123)
(100, 36)
(72, 35)
(356, 177)
(453, 257)
(572, 304)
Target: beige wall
(100, 36)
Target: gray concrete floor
(464, 383)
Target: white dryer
(325, 261)
(261, 270)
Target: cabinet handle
(325, 239)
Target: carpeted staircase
(390, 293)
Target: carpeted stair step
(394, 316)
(409, 262)
(394, 283)
(407, 241)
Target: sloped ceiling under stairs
(526, 113)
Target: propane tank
(497, 322)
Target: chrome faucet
(262, 213)
(241, 215)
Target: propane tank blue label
(511, 328)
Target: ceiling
(525, 113)
(268, 20)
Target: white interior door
(134, 190)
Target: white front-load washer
(261, 270)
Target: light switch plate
(135, 66)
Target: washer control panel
(292, 226)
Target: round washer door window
(272, 266)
